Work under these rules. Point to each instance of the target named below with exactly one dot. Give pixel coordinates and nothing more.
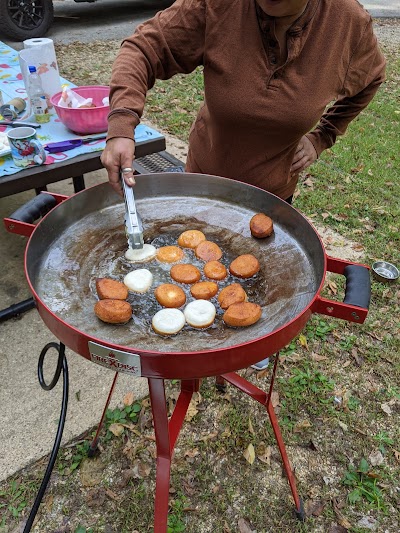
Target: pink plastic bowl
(87, 120)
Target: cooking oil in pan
(95, 247)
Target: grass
(338, 388)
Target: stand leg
(265, 400)
(220, 384)
(93, 445)
(285, 459)
(160, 420)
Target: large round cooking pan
(83, 238)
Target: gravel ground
(387, 31)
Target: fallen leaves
(128, 399)
(206, 436)
(303, 341)
(336, 528)
(250, 454)
(309, 183)
(301, 426)
(333, 289)
(341, 519)
(314, 508)
(251, 429)
(275, 399)
(91, 472)
(376, 458)
(264, 453)
(262, 374)
(386, 408)
(358, 359)
(245, 527)
(316, 357)
(95, 497)
(116, 429)
(192, 409)
(367, 522)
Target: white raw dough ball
(200, 313)
(147, 253)
(168, 321)
(139, 280)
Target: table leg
(16, 309)
(79, 183)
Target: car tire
(25, 19)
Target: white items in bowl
(4, 145)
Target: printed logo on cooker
(111, 361)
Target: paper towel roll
(40, 53)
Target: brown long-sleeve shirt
(255, 111)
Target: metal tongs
(133, 222)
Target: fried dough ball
(170, 254)
(169, 295)
(208, 251)
(215, 270)
(168, 321)
(200, 313)
(204, 290)
(244, 266)
(185, 273)
(261, 226)
(111, 289)
(141, 255)
(113, 311)
(242, 314)
(232, 294)
(139, 280)
(191, 238)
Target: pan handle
(358, 286)
(357, 292)
(35, 208)
(21, 221)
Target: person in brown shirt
(282, 78)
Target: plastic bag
(71, 99)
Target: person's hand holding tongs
(117, 158)
(133, 222)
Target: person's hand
(304, 157)
(116, 157)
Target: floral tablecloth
(11, 85)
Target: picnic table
(73, 163)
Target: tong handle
(130, 203)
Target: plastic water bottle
(37, 97)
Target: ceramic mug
(26, 150)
